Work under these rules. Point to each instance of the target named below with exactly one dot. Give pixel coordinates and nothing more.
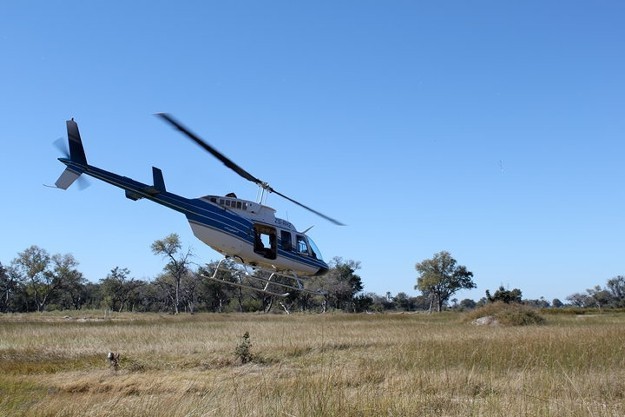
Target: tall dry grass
(310, 365)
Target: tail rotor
(74, 158)
(61, 145)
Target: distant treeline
(38, 281)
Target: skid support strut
(270, 286)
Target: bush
(242, 351)
(507, 314)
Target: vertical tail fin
(76, 151)
(76, 159)
(159, 182)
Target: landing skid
(249, 287)
(244, 273)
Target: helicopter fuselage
(247, 231)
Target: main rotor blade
(230, 164)
(227, 162)
(338, 223)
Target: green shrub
(242, 351)
(507, 314)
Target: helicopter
(247, 232)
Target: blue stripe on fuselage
(196, 210)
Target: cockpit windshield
(315, 250)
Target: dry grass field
(310, 365)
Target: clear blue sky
(490, 129)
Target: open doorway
(265, 241)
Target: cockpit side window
(285, 240)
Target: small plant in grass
(242, 351)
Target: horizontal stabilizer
(67, 178)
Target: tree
(381, 303)
(32, 266)
(363, 302)
(190, 290)
(580, 300)
(599, 296)
(177, 267)
(440, 278)
(118, 290)
(467, 304)
(349, 284)
(616, 286)
(404, 302)
(507, 296)
(9, 288)
(340, 284)
(539, 303)
(70, 282)
(44, 276)
(217, 295)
